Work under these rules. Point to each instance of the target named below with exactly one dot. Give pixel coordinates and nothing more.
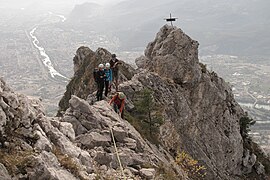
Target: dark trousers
(107, 83)
(100, 90)
(117, 109)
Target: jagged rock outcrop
(34, 146)
(200, 114)
(199, 131)
(174, 55)
(82, 84)
(79, 145)
(94, 126)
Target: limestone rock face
(34, 146)
(80, 145)
(78, 59)
(102, 124)
(90, 141)
(201, 117)
(83, 84)
(200, 113)
(208, 132)
(174, 55)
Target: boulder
(103, 158)
(93, 139)
(67, 129)
(249, 161)
(260, 169)
(141, 61)
(119, 133)
(87, 161)
(77, 103)
(76, 124)
(147, 173)
(48, 167)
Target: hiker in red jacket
(118, 101)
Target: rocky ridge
(200, 119)
(82, 84)
(200, 114)
(78, 145)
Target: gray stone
(141, 61)
(103, 158)
(77, 126)
(103, 168)
(147, 173)
(87, 161)
(42, 143)
(80, 104)
(4, 173)
(93, 139)
(67, 129)
(119, 133)
(133, 170)
(260, 169)
(130, 143)
(249, 161)
(48, 167)
(3, 119)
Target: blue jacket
(108, 73)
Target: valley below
(249, 78)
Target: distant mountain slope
(221, 26)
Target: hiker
(100, 79)
(114, 62)
(108, 79)
(118, 101)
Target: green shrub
(203, 66)
(146, 116)
(245, 124)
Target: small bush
(67, 162)
(16, 161)
(245, 124)
(203, 66)
(190, 166)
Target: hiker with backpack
(114, 63)
(100, 77)
(108, 79)
(118, 101)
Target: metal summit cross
(171, 19)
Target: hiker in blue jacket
(108, 80)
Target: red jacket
(120, 103)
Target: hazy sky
(102, 2)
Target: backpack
(95, 73)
